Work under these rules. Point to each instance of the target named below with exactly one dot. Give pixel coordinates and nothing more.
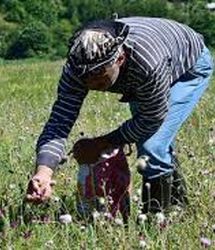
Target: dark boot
(179, 189)
(156, 194)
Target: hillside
(40, 28)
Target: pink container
(104, 186)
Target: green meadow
(27, 92)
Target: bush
(32, 40)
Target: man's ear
(121, 59)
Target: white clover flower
(142, 218)
(135, 198)
(160, 218)
(95, 215)
(56, 199)
(65, 218)
(118, 222)
(12, 186)
(142, 244)
(205, 242)
(49, 243)
(82, 228)
(108, 215)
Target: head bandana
(92, 48)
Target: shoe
(179, 189)
(156, 194)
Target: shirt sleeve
(152, 107)
(50, 147)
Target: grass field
(27, 91)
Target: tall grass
(27, 91)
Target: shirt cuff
(47, 160)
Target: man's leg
(184, 96)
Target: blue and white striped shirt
(159, 52)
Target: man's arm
(152, 108)
(51, 143)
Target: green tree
(32, 40)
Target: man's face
(104, 77)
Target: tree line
(39, 28)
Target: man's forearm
(44, 170)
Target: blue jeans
(184, 95)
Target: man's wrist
(44, 170)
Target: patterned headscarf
(91, 48)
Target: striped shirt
(159, 52)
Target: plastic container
(105, 186)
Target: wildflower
(56, 199)
(142, 218)
(205, 242)
(95, 215)
(205, 172)
(160, 217)
(12, 186)
(142, 243)
(102, 201)
(45, 219)
(27, 234)
(108, 216)
(65, 218)
(49, 243)
(82, 228)
(118, 222)
(135, 198)
(14, 224)
(161, 220)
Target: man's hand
(89, 150)
(40, 186)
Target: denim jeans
(184, 95)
